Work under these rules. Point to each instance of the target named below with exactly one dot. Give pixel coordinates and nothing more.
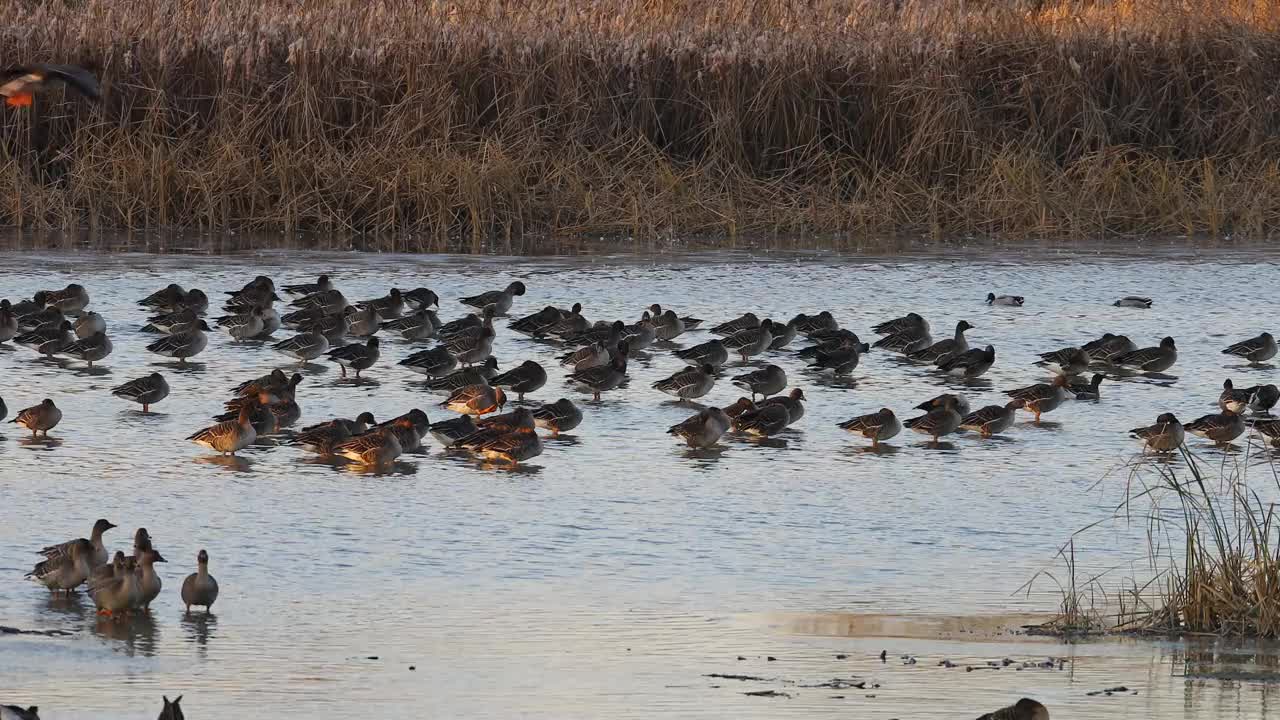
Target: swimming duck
(449, 432)
(992, 419)
(769, 380)
(524, 378)
(374, 448)
(960, 403)
(23, 82)
(200, 588)
(501, 300)
(746, 321)
(388, 306)
(327, 301)
(605, 377)
(1232, 399)
(177, 322)
(476, 400)
(146, 391)
(1106, 348)
(8, 321)
(943, 350)
(560, 416)
(703, 429)
(418, 325)
(1255, 350)
(70, 300)
(904, 342)
(66, 567)
(970, 363)
(588, 356)
(689, 322)
(1133, 301)
(689, 383)
(841, 359)
(1042, 397)
(1067, 361)
(356, 357)
(1024, 709)
(474, 375)
(910, 324)
(323, 438)
(764, 420)
(810, 324)
(48, 340)
(320, 285)
(1008, 300)
(230, 435)
(937, 422)
(88, 324)
(751, 341)
(876, 427)
(39, 418)
(422, 298)
(793, 402)
(91, 349)
(182, 345)
(303, 346)
(1221, 427)
(1152, 359)
(713, 353)
(434, 363)
(1086, 390)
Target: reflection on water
(610, 575)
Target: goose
(541, 321)
(713, 353)
(23, 82)
(1234, 400)
(1042, 397)
(1106, 348)
(327, 301)
(1067, 361)
(746, 321)
(173, 323)
(937, 422)
(513, 447)
(668, 325)
(476, 400)
(769, 380)
(740, 406)
(200, 588)
(569, 323)
(501, 300)
(1221, 427)
(992, 419)
(904, 342)
(39, 418)
(605, 377)
(47, 340)
(170, 296)
(127, 591)
(196, 301)
(751, 341)
(230, 435)
(588, 356)
(560, 416)
(467, 323)
(333, 326)
(1007, 300)
(876, 427)
(524, 378)
(943, 350)
(689, 383)
(418, 325)
(1024, 709)
(1086, 390)
(389, 306)
(1255, 350)
(1269, 429)
(324, 437)
(1152, 359)
(23, 308)
(89, 323)
(70, 300)
(495, 426)
(259, 299)
(829, 342)
(688, 321)
(103, 573)
(149, 583)
(355, 357)
(434, 363)
(703, 429)
(8, 321)
(374, 448)
(422, 298)
(64, 570)
(408, 429)
(363, 321)
(763, 420)
(473, 344)
(303, 346)
(782, 334)
(49, 317)
(270, 383)
(466, 376)
(449, 432)
(285, 413)
(146, 391)
(1133, 301)
(90, 350)
(1264, 398)
(841, 360)
(61, 552)
(640, 335)
(261, 418)
(970, 363)
(793, 402)
(243, 326)
(911, 323)
(609, 333)
(960, 403)
(810, 324)
(322, 284)
(182, 345)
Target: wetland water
(607, 576)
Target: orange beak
(19, 100)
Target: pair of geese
(128, 582)
(1168, 433)
(172, 710)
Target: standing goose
(363, 321)
(70, 300)
(961, 404)
(689, 383)
(560, 416)
(525, 378)
(713, 353)
(668, 326)
(466, 376)
(88, 324)
(513, 447)
(409, 428)
(355, 356)
(938, 421)
(48, 340)
(50, 316)
(609, 333)
(91, 349)
(146, 391)
(751, 341)
(500, 299)
(182, 345)
(1006, 300)
(1087, 390)
(911, 323)
(828, 341)
(323, 438)
(1024, 709)
(588, 356)
(876, 427)
(1233, 399)
(782, 334)
(1221, 427)
(1264, 398)
(66, 569)
(541, 321)
(243, 326)
(746, 321)
(640, 335)
(449, 432)
(992, 419)
(1106, 348)
(944, 350)
(422, 298)
(1042, 397)
(333, 326)
(200, 588)
(389, 306)
(230, 435)
(58, 553)
(689, 322)
(196, 301)
(39, 418)
(769, 380)
(970, 363)
(23, 82)
(905, 342)
(149, 583)
(434, 363)
(176, 322)
(810, 324)
(793, 402)
(322, 284)
(569, 323)
(476, 400)
(497, 425)
(472, 345)
(327, 301)
(303, 346)
(605, 377)
(170, 296)
(1133, 301)
(1152, 359)
(1067, 361)
(704, 429)
(417, 325)
(1255, 350)
(8, 321)
(765, 420)
(271, 383)
(374, 448)
(841, 358)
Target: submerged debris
(768, 693)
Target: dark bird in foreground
(1024, 709)
(22, 82)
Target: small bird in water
(23, 82)
(1007, 300)
(1133, 301)
(200, 588)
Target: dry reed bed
(481, 120)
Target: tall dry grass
(484, 119)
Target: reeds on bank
(479, 119)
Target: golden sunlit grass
(486, 119)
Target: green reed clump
(477, 119)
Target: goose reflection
(71, 606)
(137, 630)
(43, 442)
(394, 468)
(199, 627)
(234, 463)
(704, 458)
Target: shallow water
(608, 575)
